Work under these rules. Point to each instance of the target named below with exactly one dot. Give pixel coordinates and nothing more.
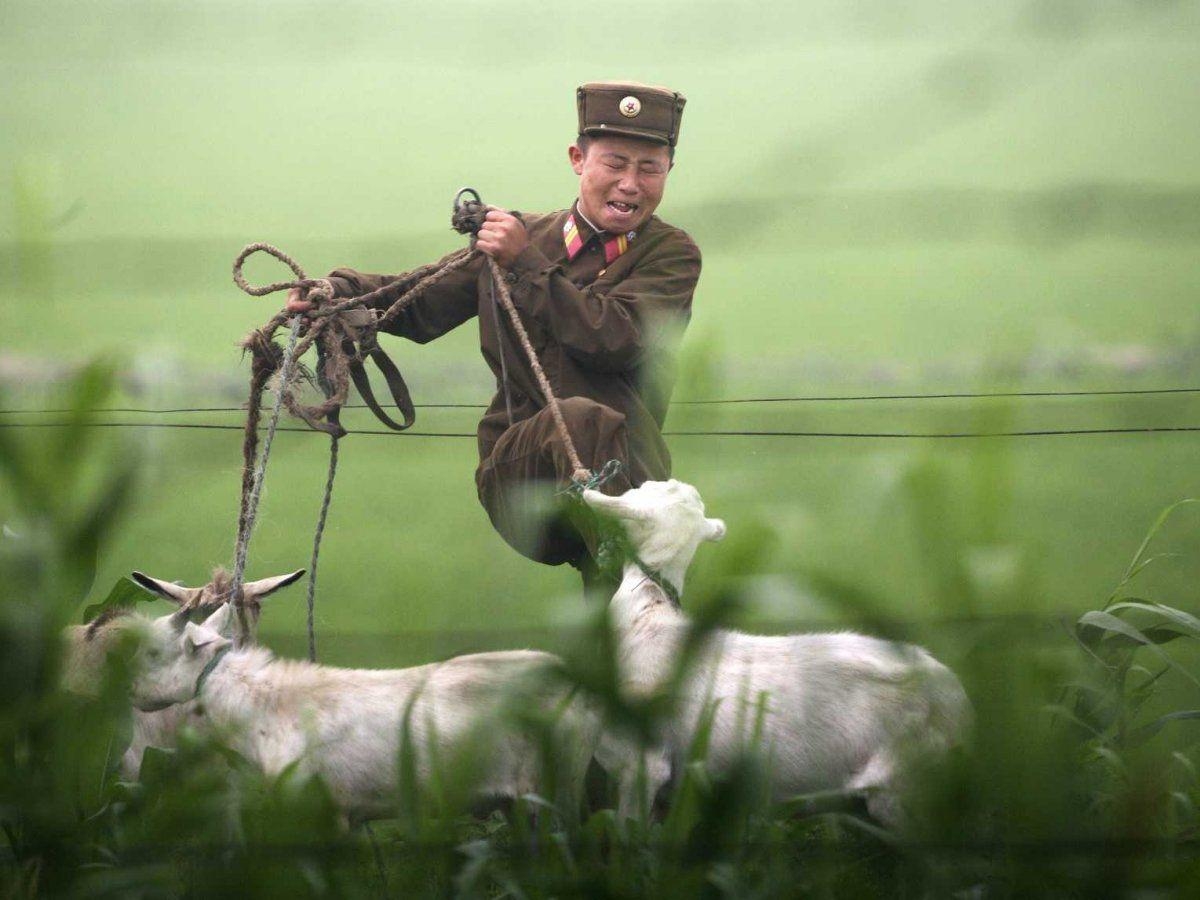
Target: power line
(832, 398)
(1049, 432)
(1053, 432)
(953, 396)
(205, 426)
(202, 409)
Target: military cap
(630, 109)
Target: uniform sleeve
(609, 327)
(442, 308)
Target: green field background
(890, 199)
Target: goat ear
(715, 529)
(264, 587)
(222, 621)
(176, 593)
(197, 637)
(179, 620)
(613, 506)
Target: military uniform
(602, 312)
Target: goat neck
(641, 592)
(237, 681)
(670, 587)
(661, 559)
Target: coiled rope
(343, 341)
(344, 333)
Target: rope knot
(586, 480)
(320, 290)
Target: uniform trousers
(520, 483)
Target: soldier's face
(621, 181)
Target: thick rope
(467, 218)
(262, 365)
(580, 472)
(457, 261)
(323, 327)
(250, 499)
(321, 286)
(316, 550)
(265, 360)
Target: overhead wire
(719, 401)
(1047, 432)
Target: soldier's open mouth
(622, 207)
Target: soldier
(603, 288)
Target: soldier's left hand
(502, 236)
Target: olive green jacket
(606, 333)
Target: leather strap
(395, 382)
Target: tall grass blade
(1110, 623)
(1150, 729)
(1133, 567)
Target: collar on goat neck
(208, 669)
(658, 578)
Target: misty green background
(890, 198)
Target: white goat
(843, 711)
(159, 728)
(351, 726)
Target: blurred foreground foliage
(1081, 779)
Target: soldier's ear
(576, 156)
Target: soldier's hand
(502, 236)
(296, 302)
